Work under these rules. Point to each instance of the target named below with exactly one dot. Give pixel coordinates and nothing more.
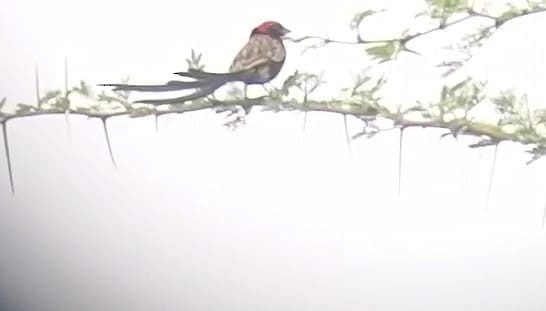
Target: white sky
(268, 217)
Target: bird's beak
(284, 32)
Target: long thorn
(156, 118)
(400, 145)
(68, 128)
(66, 74)
(37, 86)
(8, 156)
(347, 137)
(544, 216)
(107, 136)
(491, 174)
(67, 111)
(305, 103)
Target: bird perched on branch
(258, 62)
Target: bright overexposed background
(269, 216)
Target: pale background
(268, 217)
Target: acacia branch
(355, 108)
(443, 24)
(363, 106)
(404, 39)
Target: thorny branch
(367, 111)
(363, 106)
(451, 112)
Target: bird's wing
(259, 50)
(169, 86)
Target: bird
(258, 62)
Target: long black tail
(168, 87)
(205, 83)
(202, 92)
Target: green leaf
(421, 14)
(378, 85)
(83, 110)
(61, 103)
(445, 8)
(291, 81)
(194, 61)
(443, 96)
(360, 81)
(509, 14)
(84, 89)
(448, 5)
(452, 66)
(141, 112)
(23, 108)
(384, 52)
(49, 96)
(415, 109)
(459, 85)
(504, 103)
(540, 115)
(359, 17)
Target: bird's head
(273, 29)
